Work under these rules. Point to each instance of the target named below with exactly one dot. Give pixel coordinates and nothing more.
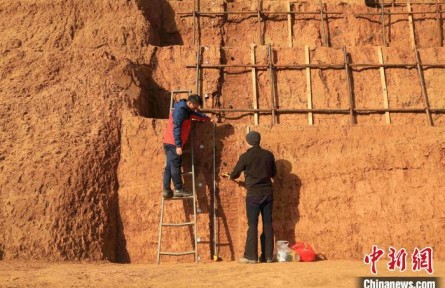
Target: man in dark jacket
(259, 167)
(175, 137)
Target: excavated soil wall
(85, 86)
(343, 189)
(347, 26)
(339, 187)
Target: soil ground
(222, 274)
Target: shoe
(181, 193)
(246, 261)
(264, 260)
(167, 193)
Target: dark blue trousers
(172, 169)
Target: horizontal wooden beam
(326, 111)
(319, 66)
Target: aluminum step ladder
(193, 198)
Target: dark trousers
(172, 169)
(254, 206)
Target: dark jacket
(180, 123)
(258, 165)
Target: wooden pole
(254, 85)
(289, 24)
(309, 85)
(198, 64)
(194, 21)
(349, 86)
(198, 22)
(255, 12)
(319, 66)
(389, 23)
(323, 36)
(272, 83)
(411, 25)
(327, 111)
(384, 88)
(390, 13)
(260, 35)
(424, 93)
(382, 8)
(439, 22)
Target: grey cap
(253, 138)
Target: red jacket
(180, 123)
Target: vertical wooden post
(289, 23)
(254, 85)
(272, 83)
(384, 88)
(323, 36)
(439, 22)
(393, 5)
(389, 23)
(194, 21)
(382, 8)
(309, 85)
(422, 84)
(260, 38)
(349, 86)
(198, 64)
(198, 21)
(411, 25)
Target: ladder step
(179, 224)
(177, 253)
(180, 198)
(181, 91)
(187, 173)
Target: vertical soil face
(339, 187)
(81, 174)
(344, 25)
(342, 189)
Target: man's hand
(179, 151)
(225, 175)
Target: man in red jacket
(175, 137)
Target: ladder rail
(215, 203)
(160, 231)
(195, 230)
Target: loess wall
(345, 27)
(340, 187)
(68, 69)
(343, 189)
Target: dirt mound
(67, 70)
